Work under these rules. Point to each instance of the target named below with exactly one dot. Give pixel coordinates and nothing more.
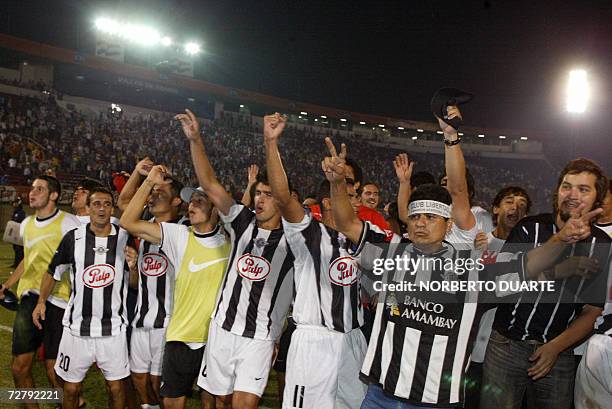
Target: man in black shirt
(530, 349)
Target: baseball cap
(445, 97)
(187, 192)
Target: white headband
(429, 206)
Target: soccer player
(199, 254)
(327, 347)
(256, 291)
(605, 220)
(510, 205)
(418, 351)
(94, 320)
(155, 285)
(41, 234)
(529, 348)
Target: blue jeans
(505, 381)
(376, 399)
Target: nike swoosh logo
(30, 243)
(198, 267)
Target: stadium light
(323, 116)
(381, 125)
(414, 138)
(107, 25)
(166, 41)
(342, 119)
(401, 128)
(439, 132)
(361, 123)
(523, 138)
(460, 134)
(502, 137)
(304, 113)
(192, 48)
(419, 130)
(577, 91)
(481, 135)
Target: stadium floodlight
(304, 113)
(414, 138)
(502, 137)
(439, 132)
(523, 138)
(460, 134)
(401, 128)
(166, 41)
(577, 91)
(361, 123)
(192, 48)
(241, 106)
(323, 116)
(108, 25)
(342, 119)
(419, 130)
(140, 34)
(481, 135)
(381, 125)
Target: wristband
(448, 142)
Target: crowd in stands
(36, 134)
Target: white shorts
(147, 350)
(594, 375)
(76, 354)
(235, 363)
(323, 369)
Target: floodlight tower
(577, 97)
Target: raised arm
(345, 218)
(131, 186)
(544, 257)
(130, 219)
(203, 169)
(290, 208)
(403, 169)
(252, 172)
(456, 176)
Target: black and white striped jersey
(421, 340)
(543, 316)
(327, 277)
(155, 287)
(256, 290)
(98, 278)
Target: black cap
(445, 97)
(9, 301)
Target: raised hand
(158, 174)
(131, 256)
(144, 166)
(253, 171)
(403, 167)
(274, 126)
(189, 122)
(452, 112)
(334, 166)
(578, 227)
(481, 241)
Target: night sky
(383, 57)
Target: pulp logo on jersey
(98, 275)
(252, 267)
(343, 271)
(29, 243)
(194, 268)
(154, 264)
